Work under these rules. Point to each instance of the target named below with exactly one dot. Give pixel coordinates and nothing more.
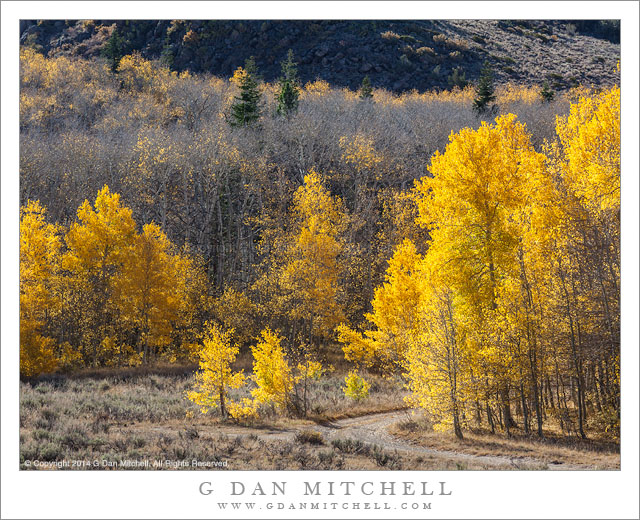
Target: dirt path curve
(373, 429)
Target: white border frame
(175, 494)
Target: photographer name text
(329, 488)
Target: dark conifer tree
(366, 92)
(245, 110)
(114, 49)
(485, 94)
(547, 93)
(289, 86)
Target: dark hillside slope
(397, 55)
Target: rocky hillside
(397, 55)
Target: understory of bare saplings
(468, 260)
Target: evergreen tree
(366, 92)
(246, 110)
(289, 86)
(547, 93)
(114, 49)
(484, 90)
(457, 78)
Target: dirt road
(373, 429)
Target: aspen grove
(476, 257)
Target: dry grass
(551, 450)
(111, 415)
(134, 415)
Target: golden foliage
(356, 387)
(216, 376)
(310, 274)
(590, 140)
(149, 289)
(39, 277)
(99, 244)
(318, 88)
(359, 151)
(271, 371)
(395, 308)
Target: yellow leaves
(136, 72)
(69, 358)
(395, 307)
(312, 199)
(309, 276)
(39, 246)
(310, 369)
(215, 376)
(271, 371)
(395, 302)
(100, 242)
(590, 140)
(357, 348)
(49, 84)
(154, 161)
(359, 151)
(238, 76)
(438, 361)
(39, 271)
(149, 289)
(318, 88)
(111, 353)
(474, 202)
(37, 355)
(244, 410)
(500, 215)
(491, 164)
(356, 387)
(511, 93)
(110, 270)
(443, 308)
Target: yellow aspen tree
(271, 371)
(395, 307)
(590, 141)
(310, 276)
(437, 364)
(149, 290)
(216, 376)
(97, 247)
(196, 305)
(469, 206)
(356, 387)
(586, 162)
(39, 303)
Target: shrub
(326, 457)
(422, 51)
(390, 35)
(51, 451)
(356, 387)
(354, 446)
(384, 459)
(457, 79)
(309, 437)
